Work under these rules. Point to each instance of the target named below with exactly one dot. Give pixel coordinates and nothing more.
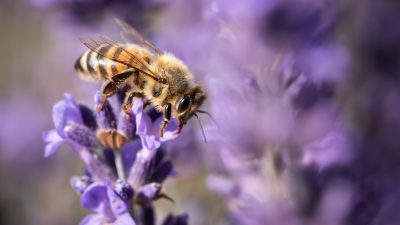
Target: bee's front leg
(127, 105)
(167, 118)
(182, 123)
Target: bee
(149, 73)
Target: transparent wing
(101, 44)
(134, 33)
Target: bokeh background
(305, 94)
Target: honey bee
(149, 73)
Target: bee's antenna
(205, 112)
(201, 126)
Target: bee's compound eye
(184, 103)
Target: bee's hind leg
(127, 105)
(109, 89)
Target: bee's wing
(134, 33)
(124, 56)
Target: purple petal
(143, 121)
(66, 111)
(96, 168)
(162, 172)
(150, 142)
(148, 192)
(94, 195)
(94, 219)
(332, 150)
(53, 141)
(106, 116)
(80, 184)
(88, 117)
(118, 206)
(147, 214)
(140, 168)
(98, 219)
(129, 152)
(124, 219)
(126, 127)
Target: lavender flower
(124, 158)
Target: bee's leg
(121, 77)
(167, 118)
(109, 89)
(146, 104)
(126, 107)
(182, 123)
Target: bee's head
(188, 103)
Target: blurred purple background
(306, 95)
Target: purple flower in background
(295, 23)
(90, 12)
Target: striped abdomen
(93, 66)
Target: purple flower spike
(105, 117)
(81, 135)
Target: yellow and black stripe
(94, 66)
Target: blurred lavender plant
(286, 151)
(91, 12)
(125, 163)
(284, 144)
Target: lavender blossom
(125, 158)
